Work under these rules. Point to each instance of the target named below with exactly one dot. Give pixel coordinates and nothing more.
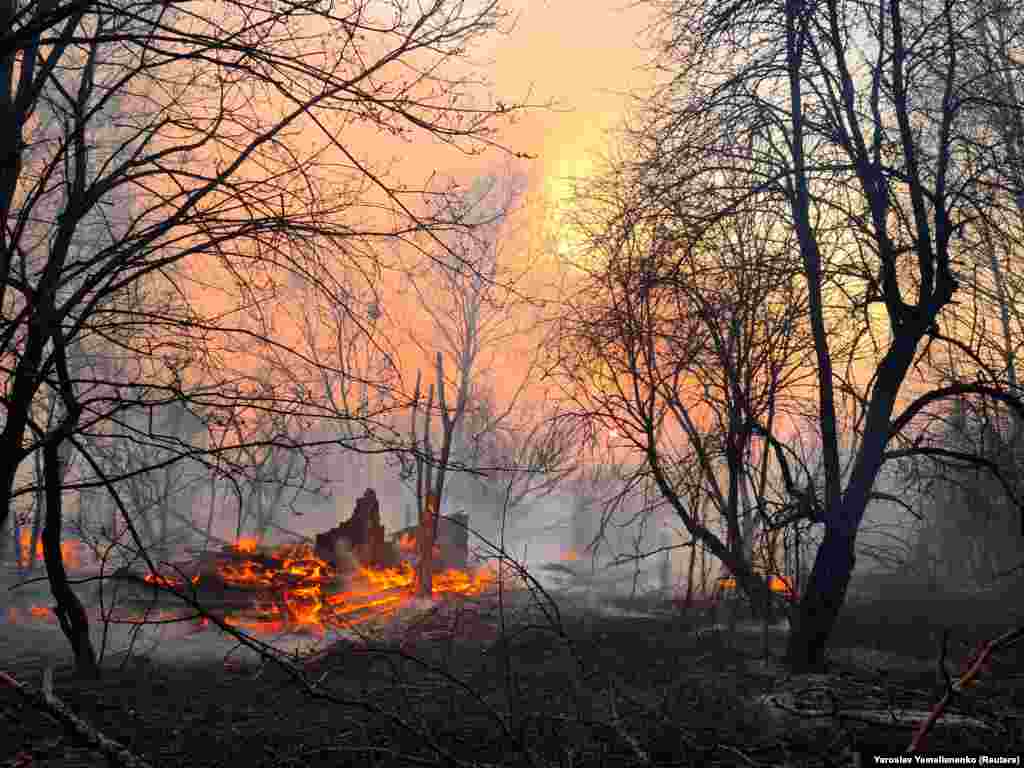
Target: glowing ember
(390, 578)
(460, 582)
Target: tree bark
(689, 577)
(823, 598)
(74, 621)
(425, 540)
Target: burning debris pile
(351, 574)
(362, 540)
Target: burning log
(294, 587)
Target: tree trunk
(74, 621)
(666, 564)
(689, 576)
(29, 552)
(425, 540)
(822, 600)
(13, 534)
(27, 560)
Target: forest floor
(626, 683)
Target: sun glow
(562, 185)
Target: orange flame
(168, 580)
(390, 578)
(293, 589)
(460, 582)
(34, 612)
(299, 590)
(775, 584)
(70, 550)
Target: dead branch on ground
(977, 664)
(45, 701)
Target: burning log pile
(351, 574)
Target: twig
(46, 701)
(976, 666)
(620, 728)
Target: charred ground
(616, 687)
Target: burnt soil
(640, 683)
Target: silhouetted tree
(866, 121)
(686, 348)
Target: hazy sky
(583, 57)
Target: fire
(296, 589)
(390, 578)
(460, 582)
(167, 580)
(775, 584)
(289, 588)
(71, 550)
(299, 590)
(33, 612)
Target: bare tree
(686, 350)
(143, 446)
(432, 467)
(166, 177)
(865, 120)
(968, 535)
(470, 299)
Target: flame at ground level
(70, 550)
(285, 589)
(295, 589)
(775, 584)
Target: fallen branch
(975, 666)
(47, 702)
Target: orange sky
(543, 59)
(548, 57)
(585, 58)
